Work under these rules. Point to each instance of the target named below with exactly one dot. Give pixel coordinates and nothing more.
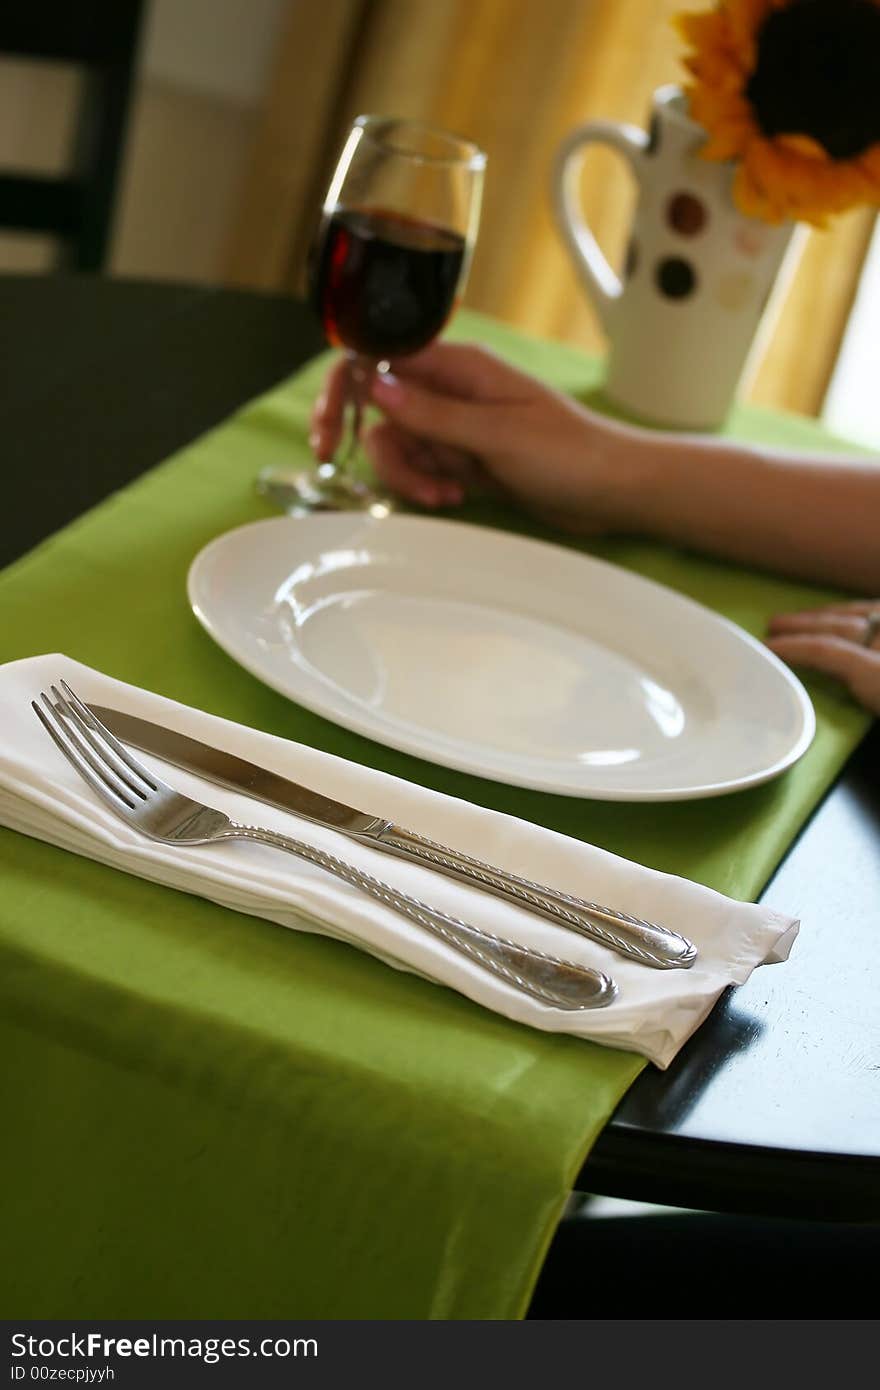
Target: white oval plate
(508, 658)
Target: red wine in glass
(398, 225)
(384, 283)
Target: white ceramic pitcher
(701, 284)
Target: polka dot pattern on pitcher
(735, 289)
(686, 296)
(675, 277)
(687, 214)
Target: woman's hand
(841, 640)
(459, 421)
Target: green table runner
(207, 1116)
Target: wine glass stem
(360, 373)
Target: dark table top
(774, 1104)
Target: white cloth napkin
(656, 1011)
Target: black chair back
(101, 37)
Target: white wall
(201, 74)
(217, 48)
(852, 405)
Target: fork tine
(55, 727)
(91, 721)
(125, 770)
(90, 749)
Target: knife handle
(560, 984)
(646, 942)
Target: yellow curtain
(514, 75)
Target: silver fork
(154, 808)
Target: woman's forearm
(813, 518)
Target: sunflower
(790, 91)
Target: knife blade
(646, 942)
(226, 770)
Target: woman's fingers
(466, 424)
(822, 622)
(406, 467)
(463, 370)
(328, 412)
(857, 666)
(433, 392)
(859, 606)
(837, 639)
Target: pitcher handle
(602, 283)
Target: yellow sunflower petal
(702, 30)
(709, 33)
(762, 162)
(750, 198)
(727, 120)
(720, 148)
(717, 70)
(729, 139)
(870, 162)
(805, 189)
(747, 15)
(804, 146)
(786, 176)
(849, 185)
(745, 18)
(802, 184)
(710, 107)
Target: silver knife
(646, 942)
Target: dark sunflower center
(818, 74)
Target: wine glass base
(301, 493)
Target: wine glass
(388, 265)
